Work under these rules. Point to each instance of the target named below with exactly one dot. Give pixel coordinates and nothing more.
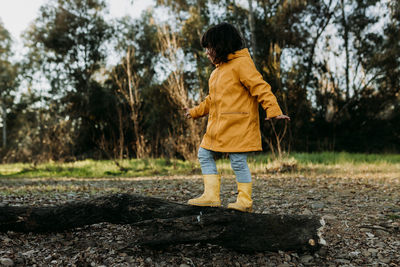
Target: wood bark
(165, 223)
(346, 46)
(252, 31)
(4, 113)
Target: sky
(16, 15)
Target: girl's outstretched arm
(199, 111)
(254, 82)
(279, 117)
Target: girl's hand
(280, 117)
(187, 113)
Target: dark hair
(224, 39)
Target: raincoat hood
(240, 53)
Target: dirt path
(362, 222)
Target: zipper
(213, 136)
(238, 112)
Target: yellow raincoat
(235, 89)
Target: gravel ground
(362, 222)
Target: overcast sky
(17, 14)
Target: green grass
(326, 162)
(102, 168)
(329, 158)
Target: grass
(98, 168)
(297, 163)
(329, 158)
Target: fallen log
(164, 223)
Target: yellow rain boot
(243, 201)
(210, 197)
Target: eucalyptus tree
(186, 68)
(8, 80)
(131, 79)
(68, 45)
(350, 95)
(376, 99)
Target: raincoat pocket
(232, 127)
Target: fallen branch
(165, 223)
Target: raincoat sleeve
(202, 109)
(254, 82)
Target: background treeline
(89, 86)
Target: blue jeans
(238, 164)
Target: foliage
(332, 64)
(67, 45)
(8, 83)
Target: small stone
(354, 254)
(385, 260)
(323, 251)
(342, 261)
(19, 260)
(381, 233)
(295, 255)
(6, 262)
(381, 245)
(331, 199)
(7, 240)
(329, 217)
(317, 205)
(184, 265)
(148, 260)
(373, 251)
(307, 212)
(306, 259)
(370, 235)
(366, 253)
(343, 256)
(53, 262)
(284, 265)
(29, 253)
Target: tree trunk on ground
(165, 223)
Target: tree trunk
(346, 46)
(4, 112)
(186, 137)
(164, 223)
(252, 31)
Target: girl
(235, 89)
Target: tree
(68, 46)
(128, 82)
(178, 92)
(131, 80)
(8, 80)
(334, 71)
